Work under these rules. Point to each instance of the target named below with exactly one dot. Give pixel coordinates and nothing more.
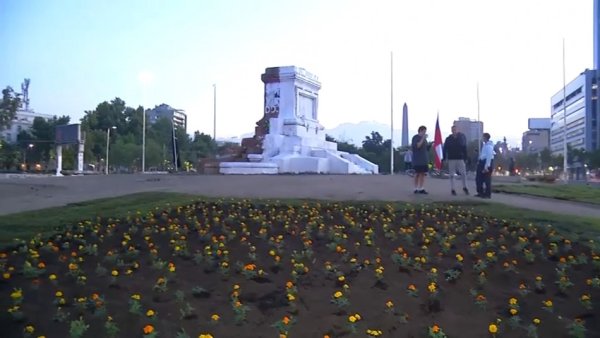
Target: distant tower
(596, 34)
(405, 124)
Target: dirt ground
(22, 193)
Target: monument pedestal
(289, 137)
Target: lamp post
(107, 146)
(565, 148)
(29, 146)
(215, 112)
(391, 113)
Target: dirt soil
(248, 258)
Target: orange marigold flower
(148, 329)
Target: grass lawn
(576, 193)
(24, 225)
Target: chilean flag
(437, 144)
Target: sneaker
(423, 191)
(466, 191)
(453, 192)
(417, 191)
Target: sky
(147, 52)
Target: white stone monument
(289, 138)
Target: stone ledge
(264, 165)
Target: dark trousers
(484, 179)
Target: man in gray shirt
(420, 149)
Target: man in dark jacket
(455, 153)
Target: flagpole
(392, 113)
(479, 131)
(565, 163)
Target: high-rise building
(405, 125)
(178, 116)
(472, 129)
(582, 113)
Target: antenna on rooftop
(25, 92)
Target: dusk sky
(80, 53)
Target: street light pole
(215, 112)
(565, 163)
(143, 140)
(29, 146)
(392, 113)
(107, 147)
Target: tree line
(36, 145)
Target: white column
(80, 157)
(58, 160)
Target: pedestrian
(455, 154)
(408, 159)
(420, 160)
(485, 167)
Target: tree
(594, 159)
(9, 105)
(9, 156)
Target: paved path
(27, 193)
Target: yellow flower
(291, 297)
(513, 311)
(6, 275)
(536, 321)
(389, 304)
(338, 294)
(150, 313)
(459, 257)
(16, 294)
(58, 294)
(114, 273)
(548, 303)
(352, 319)
(493, 328)
(136, 296)
(432, 288)
(215, 317)
(29, 329)
(205, 335)
(52, 277)
(341, 278)
(512, 301)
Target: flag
(437, 145)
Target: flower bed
(242, 269)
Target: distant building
(472, 129)
(536, 140)
(23, 121)
(583, 127)
(178, 116)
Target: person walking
(484, 168)
(455, 153)
(420, 150)
(408, 159)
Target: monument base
(288, 138)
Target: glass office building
(582, 130)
